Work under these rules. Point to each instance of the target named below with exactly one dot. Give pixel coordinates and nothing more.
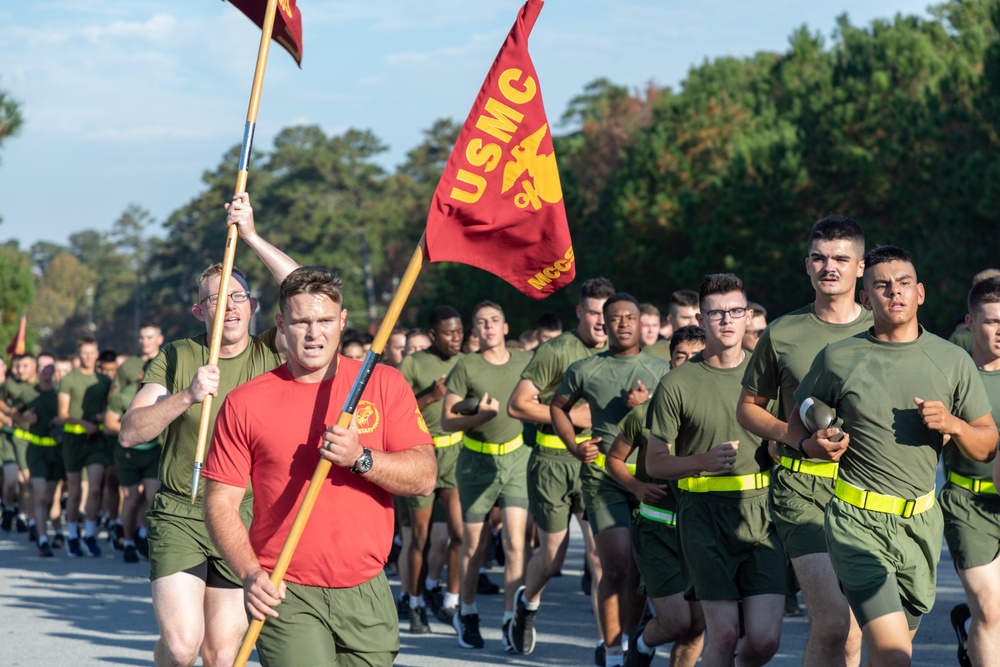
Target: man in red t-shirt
(271, 432)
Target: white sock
(531, 606)
(613, 657)
(450, 600)
(130, 543)
(142, 532)
(430, 584)
(968, 624)
(416, 601)
(43, 539)
(90, 528)
(507, 616)
(74, 530)
(32, 522)
(469, 609)
(118, 522)
(642, 647)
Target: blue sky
(130, 102)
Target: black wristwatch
(364, 463)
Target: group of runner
(696, 451)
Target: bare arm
(154, 407)
(616, 465)
(752, 414)
(112, 422)
(225, 527)
(452, 421)
(433, 394)
(525, 406)
(562, 423)
(977, 439)
(662, 463)
(240, 213)
(411, 472)
(63, 402)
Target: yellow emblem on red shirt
(420, 421)
(366, 416)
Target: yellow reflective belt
(825, 469)
(758, 480)
(983, 486)
(74, 428)
(658, 515)
(877, 502)
(491, 448)
(40, 440)
(602, 460)
(555, 442)
(447, 440)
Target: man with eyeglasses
(612, 383)
(729, 549)
(197, 598)
(801, 489)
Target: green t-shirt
(547, 367)
(173, 368)
(88, 394)
(128, 372)
(786, 350)
(871, 384)
(16, 393)
(660, 349)
(957, 462)
(603, 381)
(421, 370)
(474, 376)
(634, 430)
(963, 338)
(45, 403)
(119, 405)
(694, 409)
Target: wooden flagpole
(344, 421)
(230, 256)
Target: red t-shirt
(269, 431)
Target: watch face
(364, 464)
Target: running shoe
(403, 606)
(467, 626)
(522, 630)
(418, 621)
(505, 636)
(45, 550)
(130, 554)
(73, 549)
(21, 525)
(599, 655)
(486, 587)
(635, 657)
(59, 541)
(33, 533)
(959, 615)
(7, 521)
(92, 547)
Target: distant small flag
(499, 204)
(287, 23)
(19, 344)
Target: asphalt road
(97, 611)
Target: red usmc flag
(499, 205)
(287, 23)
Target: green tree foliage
(16, 292)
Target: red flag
(287, 23)
(499, 204)
(18, 345)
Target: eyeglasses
(717, 315)
(237, 297)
